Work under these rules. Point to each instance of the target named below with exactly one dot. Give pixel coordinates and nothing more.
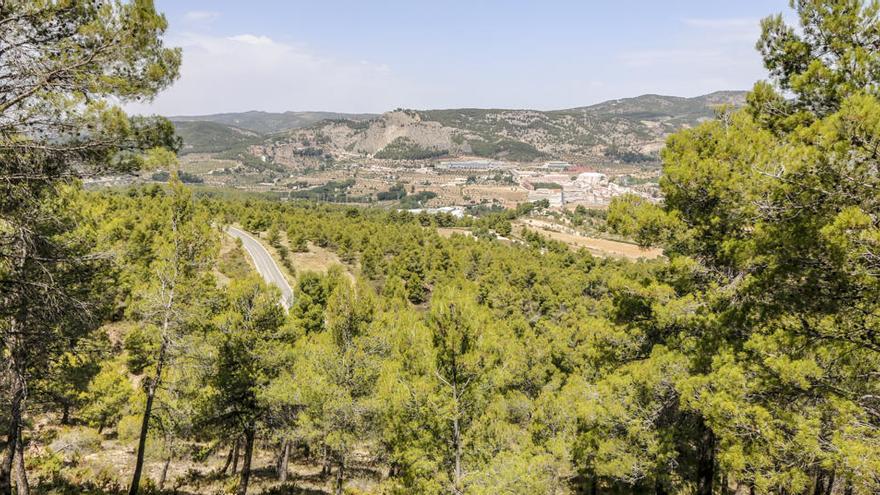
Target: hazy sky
(374, 56)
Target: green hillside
(212, 137)
(271, 122)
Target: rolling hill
(213, 137)
(270, 122)
(626, 130)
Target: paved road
(265, 264)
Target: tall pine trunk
(22, 487)
(456, 435)
(249, 433)
(706, 461)
(830, 487)
(145, 423)
(340, 476)
(282, 466)
(236, 455)
(229, 458)
(164, 474)
(13, 432)
(819, 482)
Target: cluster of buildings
(470, 165)
(456, 211)
(587, 188)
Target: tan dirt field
(599, 247)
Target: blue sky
(370, 56)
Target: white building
(591, 178)
(456, 211)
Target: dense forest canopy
(415, 361)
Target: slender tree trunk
(235, 455)
(285, 456)
(229, 458)
(164, 474)
(830, 487)
(340, 476)
(706, 462)
(819, 484)
(325, 466)
(12, 433)
(145, 423)
(659, 489)
(65, 414)
(249, 433)
(21, 482)
(456, 438)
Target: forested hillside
(629, 130)
(211, 137)
(271, 122)
(141, 352)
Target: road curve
(266, 266)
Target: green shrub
(128, 429)
(404, 148)
(77, 441)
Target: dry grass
(599, 247)
(202, 164)
(188, 477)
(317, 259)
(320, 260)
(232, 261)
(450, 231)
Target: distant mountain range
(272, 122)
(624, 130)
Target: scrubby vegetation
(213, 137)
(505, 148)
(546, 185)
(404, 148)
(333, 191)
(395, 192)
(185, 177)
(417, 200)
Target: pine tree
(170, 299)
(61, 62)
(247, 332)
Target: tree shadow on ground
(291, 489)
(65, 487)
(62, 486)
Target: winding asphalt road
(266, 266)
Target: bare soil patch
(599, 247)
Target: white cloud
(255, 72)
(252, 39)
(201, 16)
